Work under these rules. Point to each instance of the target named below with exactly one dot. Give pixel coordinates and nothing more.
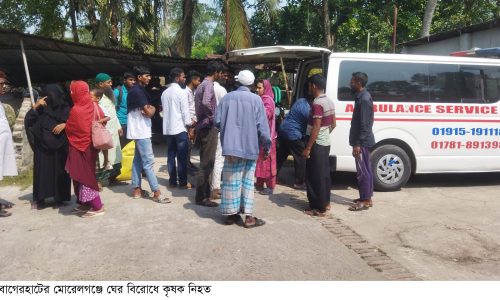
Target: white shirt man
(176, 118)
(176, 114)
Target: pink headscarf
(268, 100)
(268, 89)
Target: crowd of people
(241, 147)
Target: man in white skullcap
(243, 125)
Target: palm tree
(429, 13)
(184, 38)
(237, 27)
(327, 32)
(72, 11)
(140, 19)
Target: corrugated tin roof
(52, 60)
(452, 33)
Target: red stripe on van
(427, 120)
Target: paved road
(142, 240)
(440, 227)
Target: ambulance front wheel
(391, 168)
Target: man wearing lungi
(243, 129)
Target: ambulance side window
(387, 81)
(491, 84)
(444, 83)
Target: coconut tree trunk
(90, 9)
(428, 15)
(326, 25)
(101, 37)
(115, 20)
(72, 15)
(184, 37)
(240, 36)
(156, 26)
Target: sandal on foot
(232, 219)
(38, 206)
(5, 205)
(266, 192)
(117, 183)
(93, 213)
(314, 213)
(300, 187)
(256, 223)
(59, 205)
(207, 202)
(162, 199)
(187, 186)
(4, 213)
(81, 208)
(142, 194)
(370, 202)
(360, 205)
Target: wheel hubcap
(390, 169)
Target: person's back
(244, 127)
(294, 124)
(175, 110)
(242, 123)
(206, 133)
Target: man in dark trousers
(321, 123)
(206, 133)
(361, 139)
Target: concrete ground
(143, 240)
(440, 227)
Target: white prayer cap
(245, 77)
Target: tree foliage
(299, 22)
(160, 26)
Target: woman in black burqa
(44, 125)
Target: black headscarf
(42, 122)
(57, 107)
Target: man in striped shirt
(317, 151)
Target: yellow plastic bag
(127, 159)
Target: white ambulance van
(433, 114)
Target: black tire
(391, 168)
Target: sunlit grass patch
(23, 180)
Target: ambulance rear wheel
(391, 167)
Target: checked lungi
(237, 186)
